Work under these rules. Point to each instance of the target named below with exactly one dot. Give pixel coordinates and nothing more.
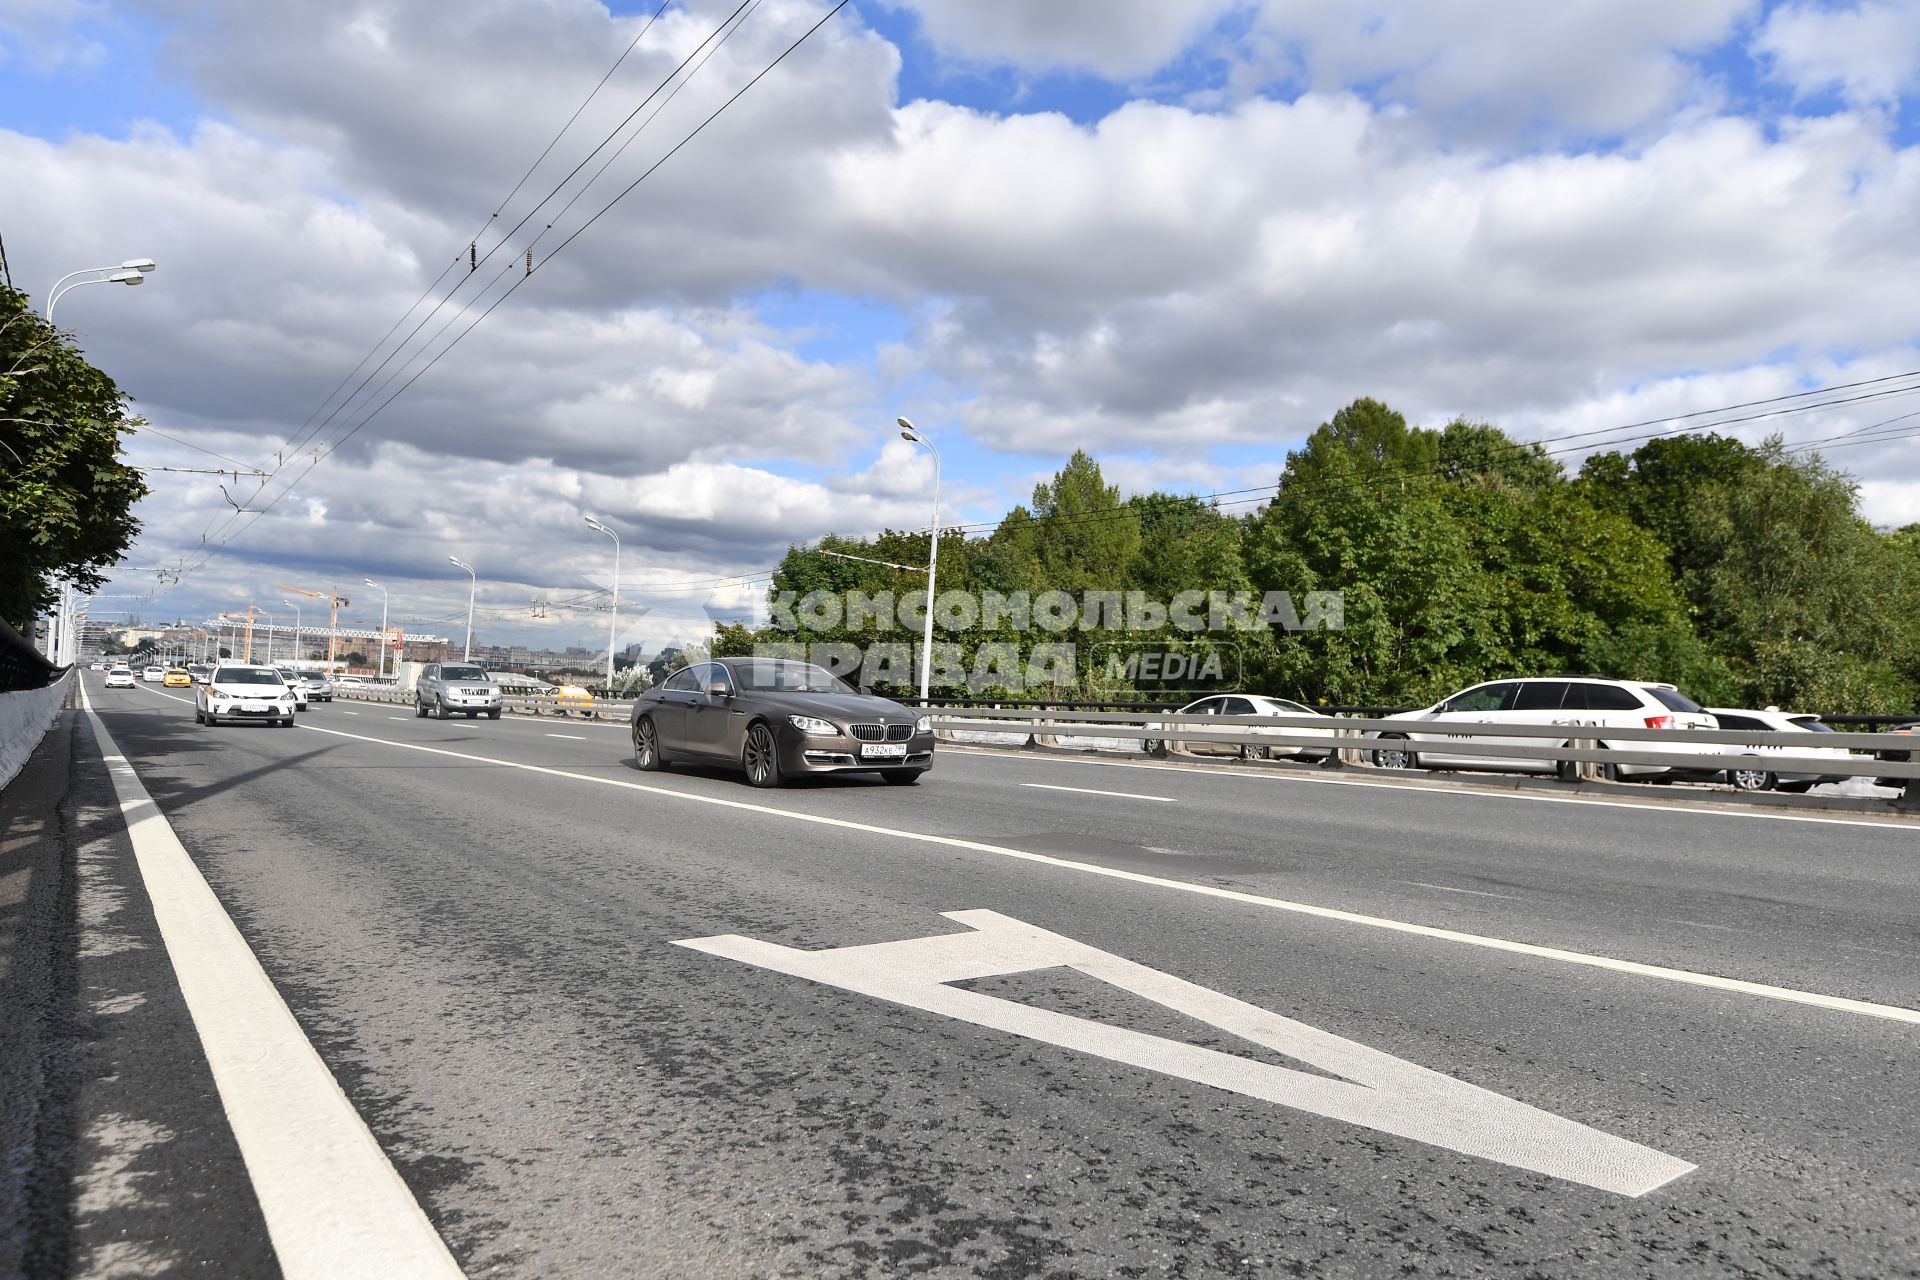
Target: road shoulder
(120, 1160)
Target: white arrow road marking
(1375, 1090)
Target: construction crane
(246, 654)
(335, 603)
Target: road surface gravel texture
(481, 927)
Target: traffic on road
(1059, 1013)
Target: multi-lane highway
(1181, 1021)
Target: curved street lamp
(914, 435)
(613, 624)
(383, 624)
(473, 583)
(295, 606)
(130, 273)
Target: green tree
(66, 499)
(1087, 538)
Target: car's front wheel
(419, 710)
(762, 757)
(1751, 779)
(1394, 753)
(494, 714)
(446, 712)
(646, 746)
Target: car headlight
(814, 727)
(923, 725)
(219, 693)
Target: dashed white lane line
(333, 1203)
(398, 717)
(349, 713)
(1444, 888)
(1790, 995)
(1088, 791)
(577, 737)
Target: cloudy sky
(1176, 235)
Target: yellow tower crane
(335, 603)
(246, 653)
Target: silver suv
(447, 688)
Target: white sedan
(1250, 704)
(120, 678)
(234, 692)
(154, 675)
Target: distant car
(236, 692)
(571, 699)
(298, 686)
(153, 675)
(177, 678)
(1791, 727)
(319, 687)
(447, 689)
(1247, 704)
(98, 666)
(349, 682)
(199, 671)
(777, 719)
(1590, 705)
(1899, 757)
(120, 678)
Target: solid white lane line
(1841, 1004)
(1478, 893)
(1086, 791)
(333, 1203)
(1436, 789)
(577, 737)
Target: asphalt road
(480, 939)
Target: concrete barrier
(24, 717)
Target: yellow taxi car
(177, 678)
(571, 699)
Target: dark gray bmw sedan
(777, 718)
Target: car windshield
(248, 675)
(462, 673)
(1814, 726)
(1673, 699)
(784, 675)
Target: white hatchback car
(153, 675)
(1246, 704)
(120, 678)
(295, 683)
(235, 692)
(1588, 704)
(1795, 740)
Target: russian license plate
(884, 751)
(255, 706)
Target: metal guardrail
(1570, 743)
(22, 666)
(1357, 736)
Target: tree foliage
(1745, 575)
(66, 499)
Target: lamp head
(126, 277)
(138, 264)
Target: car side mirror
(721, 690)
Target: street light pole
(613, 624)
(912, 433)
(295, 606)
(383, 624)
(131, 272)
(269, 637)
(473, 584)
